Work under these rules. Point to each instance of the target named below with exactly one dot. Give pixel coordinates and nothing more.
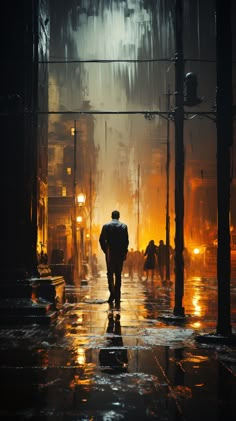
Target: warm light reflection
(77, 381)
(79, 219)
(81, 358)
(196, 325)
(79, 318)
(196, 305)
(196, 251)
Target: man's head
(115, 214)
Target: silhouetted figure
(140, 263)
(129, 263)
(114, 241)
(114, 358)
(161, 259)
(150, 263)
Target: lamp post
(179, 162)
(81, 199)
(78, 202)
(74, 227)
(224, 144)
(167, 191)
(138, 205)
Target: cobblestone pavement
(138, 363)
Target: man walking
(114, 241)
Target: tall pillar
(179, 162)
(224, 143)
(25, 296)
(19, 141)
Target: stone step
(21, 320)
(18, 311)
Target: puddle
(173, 337)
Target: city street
(139, 363)
(118, 131)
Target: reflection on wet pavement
(97, 363)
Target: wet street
(97, 363)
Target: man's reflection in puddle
(113, 358)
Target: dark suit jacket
(114, 239)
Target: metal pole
(75, 246)
(167, 192)
(90, 220)
(138, 210)
(224, 143)
(179, 161)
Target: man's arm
(103, 239)
(126, 240)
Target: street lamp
(179, 161)
(79, 219)
(167, 191)
(78, 201)
(74, 227)
(81, 198)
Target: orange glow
(81, 198)
(196, 306)
(81, 358)
(196, 325)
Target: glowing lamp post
(74, 228)
(79, 219)
(80, 199)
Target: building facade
(24, 87)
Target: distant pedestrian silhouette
(161, 259)
(130, 263)
(150, 262)
(114, 241)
